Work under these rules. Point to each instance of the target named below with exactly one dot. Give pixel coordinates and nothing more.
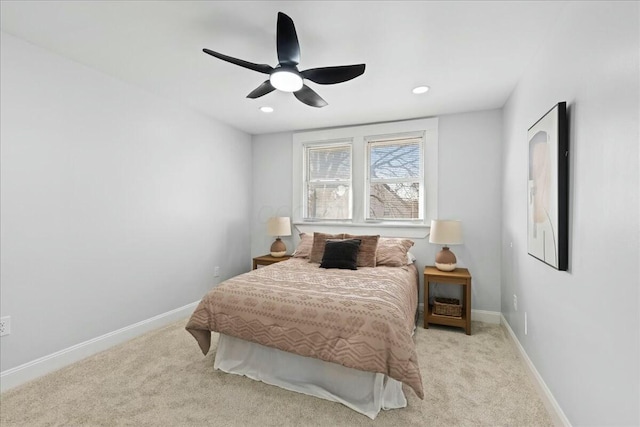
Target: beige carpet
(162, 379)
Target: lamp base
(446, 260)
(278, 249)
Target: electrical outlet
(515, 302)
(216, 271)
(5, 325)
(526, 326)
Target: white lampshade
(279, 226)
(446, 232)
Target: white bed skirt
(364, 392)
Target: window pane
(394, 201)
(395, 160)
(328, 201)
(329, 163)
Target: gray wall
(116, 205)
(469, 189)
(583, 324)
(271, 164)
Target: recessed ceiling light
(266, 109)
(420, 89)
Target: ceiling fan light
(266, 109)
(420, 89)
(286, 81)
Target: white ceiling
(471, 54)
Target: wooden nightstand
(459, 276)
(268, 260)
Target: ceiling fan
(285, 76)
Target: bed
(336, 333)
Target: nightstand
(268, 260)
(459, 276)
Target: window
(394, 189)
(380, 175)
(328, 181)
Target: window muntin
(395, 178)
(327, 186)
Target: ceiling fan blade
(332, 75)
(309, 97)
(265, 88)
(287, 39)
(261, 68)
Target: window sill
(418, 231)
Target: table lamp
(278, 226)
(445, 232)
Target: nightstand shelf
(459, 276)
(268, 260)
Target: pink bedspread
(361, 319)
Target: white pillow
(410, 258)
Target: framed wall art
(548, 188)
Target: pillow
(341, 254)
(411, 258)
(367, 252)
(319, 241)
(392, 252)
(304, 247)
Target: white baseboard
(555, 411)
(477, 315)
(21, 374)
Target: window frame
(357, 134)
(307, 147)
(392, 139)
